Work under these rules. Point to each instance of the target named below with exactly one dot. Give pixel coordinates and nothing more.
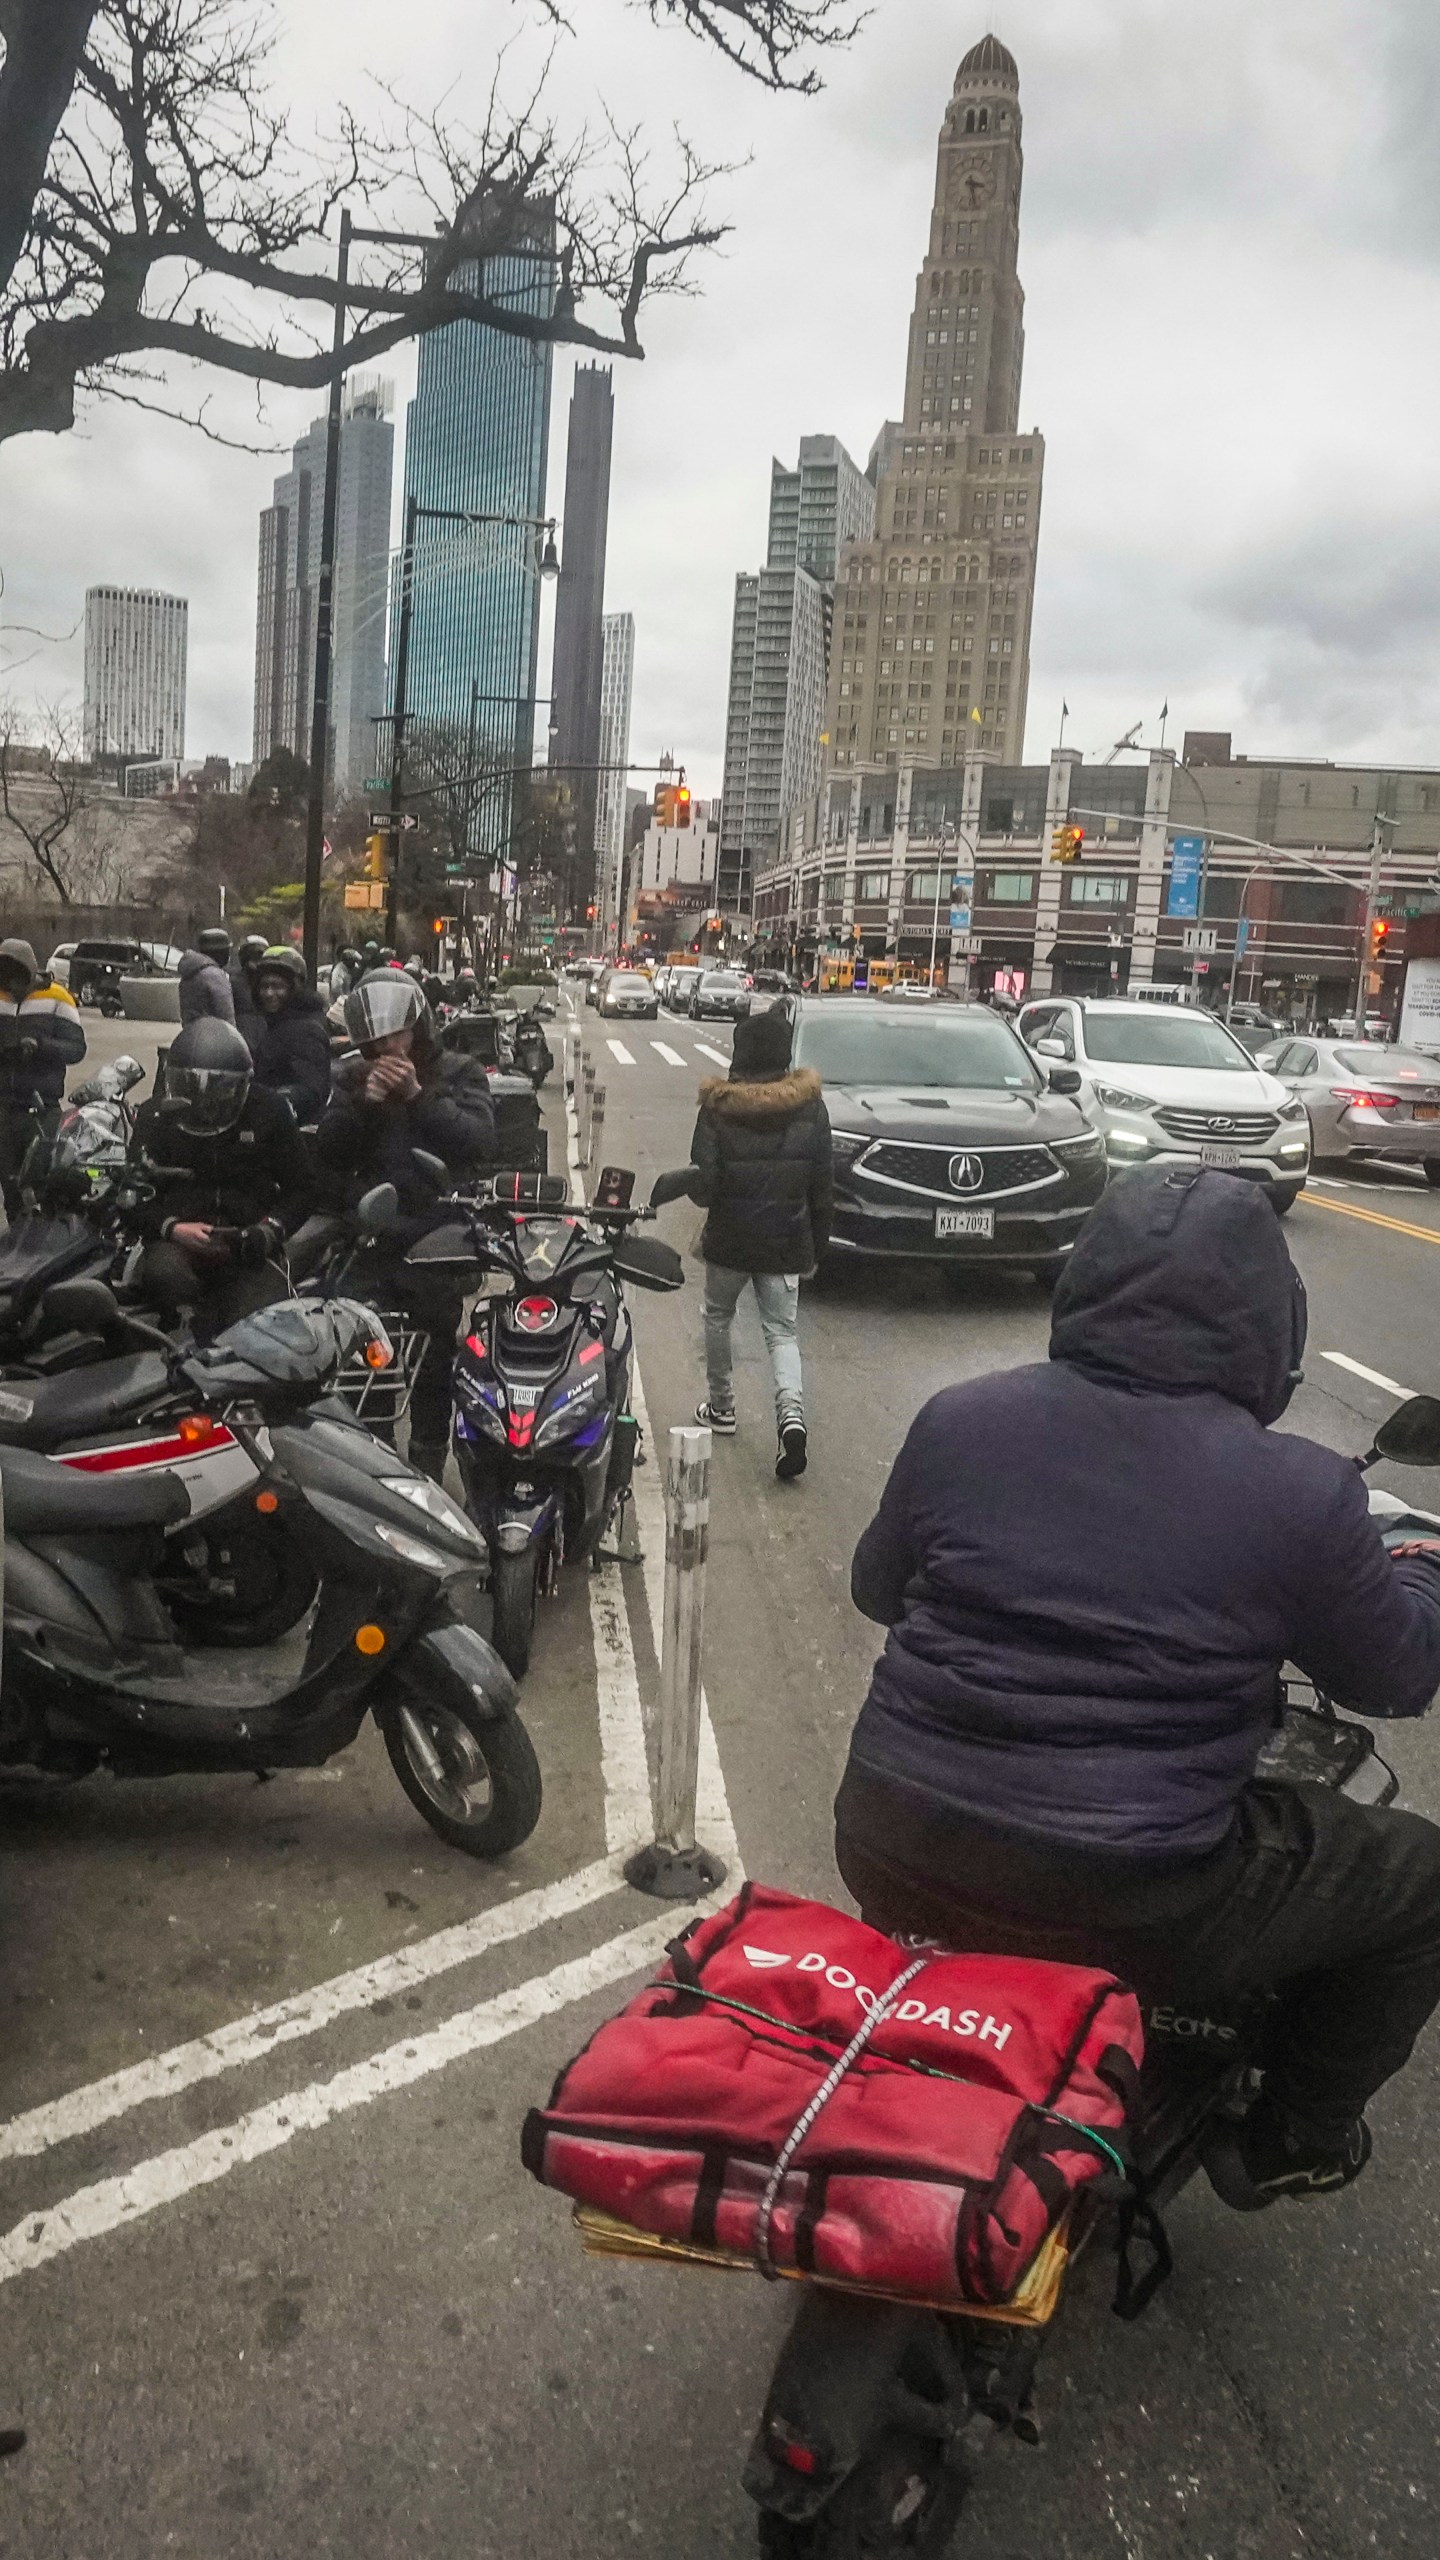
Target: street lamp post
(415, 514)
(949, 834)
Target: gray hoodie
(205, 989)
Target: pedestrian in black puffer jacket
(288, 1036)
(1092, 1572)
(761, 1152)
(397, 1091)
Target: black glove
(255, 1245)
(28, 1049)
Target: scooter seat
(44, 1499)
(76, 1403)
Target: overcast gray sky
(1230, 243)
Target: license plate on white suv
(1224, 1159)
(964, 1222)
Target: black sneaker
(793, 1451)
(719, 1417)
(1269, 2156)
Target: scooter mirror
(430, 1168)
(1410, 1436)
(127, 1071)
(649, 1263)
(378, 1209)
(674, 1185)
(81, 1304)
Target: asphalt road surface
(271, 2276)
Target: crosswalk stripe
(618, 1050)
(706, 1051)
(671, 1056)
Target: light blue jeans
(777, 1298)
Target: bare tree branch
(178, 218)
(44, 791)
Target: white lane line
(671, 1056)
(250, 2039)
(1375, 1377)
(93, 2211)
(719, 1055)
(622, 1718)
(618, 1050)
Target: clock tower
(934, 613)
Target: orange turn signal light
(195, 1428)
(267, 1501)
(369, 1639)
(378, 1355)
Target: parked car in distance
(1169, 1085)
(950, 1142)
(661, 981)
(683, 977)
(1253, 1027)
(1363, 1100)
(628, 992)
(719, 995)
(81, 966)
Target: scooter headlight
(411, 1550)
(437, 1505)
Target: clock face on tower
(977, 187)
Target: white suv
(1169, 1085)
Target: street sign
(1242, 936)
(383, 823)
(1198, 937)
(377, 781)
(1187, 866)
(960, 919)
(966, 947)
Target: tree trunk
(44, 40)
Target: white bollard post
(674, 1867)
(597, 1123)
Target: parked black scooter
(878, 2409)
(94, 1676)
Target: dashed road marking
(671, 1056)
(1375, 1377)
(720, 1056)
(618, 1050)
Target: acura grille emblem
(966, 1173)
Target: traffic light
(665, 796)
(375, 857)
(1066, 844)
(680, 801)
(1379, 936)
(590, 914)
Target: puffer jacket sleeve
(51, 1018)
(888, 1554)
(1369, 1625)
(457, 1122)
(307, 1063)
(705, 1155)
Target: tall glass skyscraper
(475, 437)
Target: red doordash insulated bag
(798, 2088)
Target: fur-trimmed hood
(761, 1098)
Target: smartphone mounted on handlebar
(615, 1188)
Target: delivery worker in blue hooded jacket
(1092, 1572)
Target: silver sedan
(1364, 1099)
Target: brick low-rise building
(1287, 855)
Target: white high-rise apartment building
(617, 677)
(135, 654)
(780, 657)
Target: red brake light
(1360, 1093)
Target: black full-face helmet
(208, 1073)
(214, 942)
(384, 1002)
(252, 950)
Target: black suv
(950, 1143)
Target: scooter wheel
(512, 1595)
(901, 2502)
(485, 1796)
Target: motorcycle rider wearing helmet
(206, 991)
(346, 971)
(399, 1091)
(242, 979)
(40, 1040)
(288, 1037)
(1092, 1572)
(232, 1180)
